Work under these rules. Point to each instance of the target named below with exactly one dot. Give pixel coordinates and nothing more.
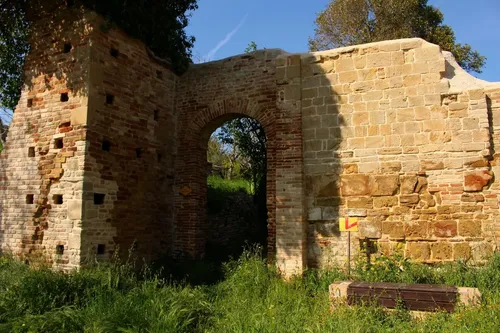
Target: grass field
(250, 298)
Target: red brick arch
(191, 175)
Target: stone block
(395, 230)
(354, 185)
(409, 199)
(327, 229)
(315, 214)
(477, 180)
(338, 293)
(408, 184)
(390, 167)
(470, 228)
(384, 185)
(416, 229)
(385, 202)
(356, 212)
(481, 251)
(469, 296)
(441, 251)
(360, 202)
(350, 168)
(461, 251)
(418, 251)
(75, 209)
(431, 165)
(444, 229)
(370, 229)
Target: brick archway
(190, 202)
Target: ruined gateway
(108, 149)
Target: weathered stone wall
(41, 167)
(110, 146)
(387, 139)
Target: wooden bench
(414, 297)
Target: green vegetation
(351, 22)
(251, 298)
(221, 190)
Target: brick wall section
(33, 169)
(135, 172)
(207, 96)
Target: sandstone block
(385, 185)
(408, 184)
(380, 59)
(360, 202)
(75, 209)
(475, 181)
(353, 185)
(441, 251)
(409, 199)
(390, 167)
(431, 165)
(416, 229)
(482, 251)
(370, 229)
(395, 230)
(385, 202)
(418, 251)
(461, 251)
(470, 228)
(327, 229)
(444, 229)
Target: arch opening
(236, 187)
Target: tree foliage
(351, 22)
(13, 49)
(248, 141)
(159, 24)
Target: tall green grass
(252, 297)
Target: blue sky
(225, 27)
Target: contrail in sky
(226, 39)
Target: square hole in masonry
(30, 102)
(67, 47)
(60, 249)
(58, 143)
(30, 199)
(110, 99)
(156, 114)
(101, 249)
(114, 52)
(64, 97)
(106, 145)
(31, 152)
(138, 152)
(57, 199)
(99, 198)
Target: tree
(249, 144)
(350, 22)
(159, 24)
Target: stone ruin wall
(117, 128)
(41, 167)
(399, 137)
(392, 133)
